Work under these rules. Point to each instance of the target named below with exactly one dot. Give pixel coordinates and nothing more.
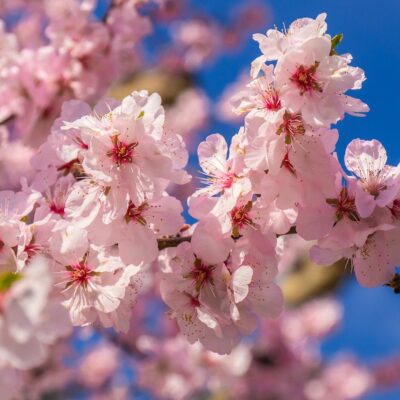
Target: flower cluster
(97, 205)
(287, 149)
(282, 176)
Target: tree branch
(174, 241)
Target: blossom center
(79, 273)
(135, 214)
(224, 181)
(57, 208)
(201, 274)
(292, 125)
(271, 100)
(345, 206)
(374, 183)
(121, 152)
(305, 80)
(240, 217)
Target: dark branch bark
(175, 241)
(172, 241)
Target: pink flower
(199, 40)
(275, 44)
(95, 282)
(13, 208)
(221, 172)
(324, 214)
(312, 81)
(259, 97)
(342, 379)
(378, 183)
(145, 222)
(98, 366)
(14, 162)
(110, 218)
(173, 364)
(373, 253)
(313, 321)
(197, 291)
(180, 118)
(128, 149)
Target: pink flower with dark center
(94, 280)
(115, 133)
(225, 180)
(378, 182)
(213, 160)
(54, 201)
(121, 153)
(201, 274)
(259, 97)
(345, 206)
(79, 273)
(312, 80)
(305, 80)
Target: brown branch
(175, 241)
(172, 241)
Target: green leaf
(7, 279)
(334, 42)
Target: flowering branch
(173, 241)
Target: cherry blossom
(378, 183)
(94, 282)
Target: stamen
(304, 79)
(121, 153)
(134, 213)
